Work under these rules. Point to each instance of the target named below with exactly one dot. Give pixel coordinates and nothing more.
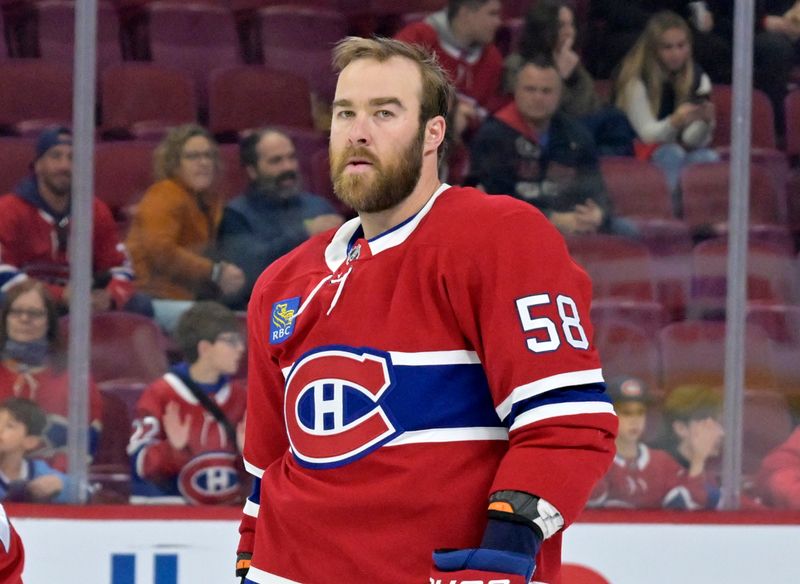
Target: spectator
(274, 215)
(666, 96)
(550, 30)
(23, 478)
(538, 154)
(643, 477)
(33, 366)
(779, 476)
(692, 414)
(190, 423)
(462, 37)
(35, 229)
(175, 225)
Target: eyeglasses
(232, 339)
(31, 313)
(194, 156)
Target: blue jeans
(671, 158)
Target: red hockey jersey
(12, 554)
(395, 383)
(49, 388)
(207, 470)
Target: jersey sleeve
(525, 308)
(265, 436)
(12, 555)
(10, 273)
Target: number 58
(570, 323)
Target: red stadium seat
(619, 267)
(648, 316)
(706, 196)
(234, 179)
(55, 32)
(637, 188)
(617, 340)
(33, 95)
(693, 352)
(193, 37)
(250, 96)
(300, 40)
(769, 276)
(16, 155)
(767, 423)
(763, 124)
(125, 347)
(123, 171)
(792, 105)
(128, 104)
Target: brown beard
(389, 187)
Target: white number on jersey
(570, 323)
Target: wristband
(216, 272)
(243, 564)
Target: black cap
(52, 137)
(627, 389)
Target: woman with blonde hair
(666, 96)
(175, 225)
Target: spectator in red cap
(35, 229)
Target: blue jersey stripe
(592, 392)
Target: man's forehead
(273, 142)
(398, 76)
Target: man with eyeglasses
(35, 227)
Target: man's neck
(539, 127)
(55, 202)
(11, 465)
(627, 450)
(204, 373)
(376, 223)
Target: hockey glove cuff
(243, 564)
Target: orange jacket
(170, 233)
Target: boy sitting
(186, 440)
(22, 423)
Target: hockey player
(12, 554)
(185, 441)
(423, 377)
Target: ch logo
(334, 408)
(123, 569)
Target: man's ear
(435, 130)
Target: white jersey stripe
(540, 386)
(253, 469)
(449, 435)
(251, 508)
(262, 577)
(424, 358)
(563, 409)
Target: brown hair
(437, 90)
(692, 402)
(26, 412)
(167, 155)
(53, 334)
(204, 321)
(642, 63)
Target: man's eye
(344, 114)
(384, 114)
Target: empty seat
(769, 275)
(767, 423)
(693, 352)
(619, 267)
(250, 96)
(636, 187)
(16, 155)
(300, 40)
(125, 347)
(194, 37)
(648, 316)
(34, 94)
(617, 340)
(706, 196)
(792, 105)
(763, 123)
(55, 32)
(123, 171)
(145, 99)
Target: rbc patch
(281, 324)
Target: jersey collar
(337, 249)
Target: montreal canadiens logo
(334, 408)
(210, 479)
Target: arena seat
(619, 267)
(54, 29)
(769, 276)
(636, 188)
(617, 340)
(300, 40)
(706, 196)
(767, 423)
(16, 155)
(125, 347)
(792, 105)
(33, 95)
(123, 171)
(693, 352)
(648, 316)
(194, 37)
(250, 96)
(763, 123)
(130, 106)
